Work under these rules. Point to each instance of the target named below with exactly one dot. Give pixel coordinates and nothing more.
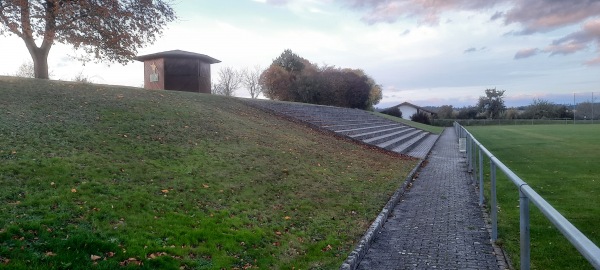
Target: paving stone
(438, 223)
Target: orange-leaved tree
(293, 78)
(106, 30)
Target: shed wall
(154, 67)
(204, 78)
(181, 74)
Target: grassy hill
(102, 177)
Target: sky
(426, 52)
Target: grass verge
(101, 177)
(560, 163)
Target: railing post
(470, 153)
(494, 205)
(480, 177)
(524, 222)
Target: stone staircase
(358, 125)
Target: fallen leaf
(205, 185)
(156, 255)
(165, 191)
(327, 248)
(95, 257)
(129, 261)
(73, 190)
(50, 254)
(287, 217)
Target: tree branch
(26, 30)
(8, 21)
(50, 28)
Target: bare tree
(82, 78)
(229, 80)
(26, 70)
(250, 79)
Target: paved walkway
(438, 223)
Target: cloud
(427, 12)
(406, 32)
(547, 15)
(571, 43)
(526, 53)
(273, 2)
(473, 50)
(533, 16)
(593, 62)
(565, 49)
(577, 41)
(496, 16)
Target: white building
(408, 110)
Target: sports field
(561, 163)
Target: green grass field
(560, 162)
(101, 177)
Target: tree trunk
(39, 55)
(40, 63)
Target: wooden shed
(177, 70)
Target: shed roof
(414, 106)
(178, 54)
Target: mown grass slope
(560, 162)
(101, 177)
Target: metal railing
(526, 194)
(507, 122)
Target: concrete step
(393, 143)
(359, 125)
(423, 147)
(342, 126)
(341, 121)
(364, 129)
(389, 136)
(376, 133)
(410, 144)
